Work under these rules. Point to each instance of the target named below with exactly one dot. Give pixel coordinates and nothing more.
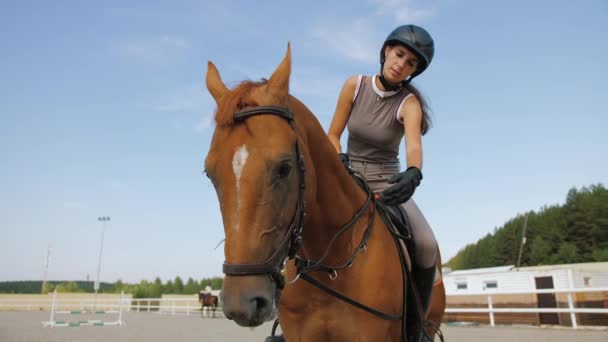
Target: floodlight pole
(103, 220)
(46, 268)
(523, 241)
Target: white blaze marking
(238, 164)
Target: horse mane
(233, 102)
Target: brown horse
(284, 194)
(208, 301)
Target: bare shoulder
(411, 109)
(412, 102)
(412, 106)
(349, 87)
(351, 83)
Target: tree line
(576, 231)
(143, 289)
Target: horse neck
(332, 198)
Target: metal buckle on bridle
(283, 271)
(294, 279)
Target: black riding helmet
(414, 38)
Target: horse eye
(284, 169)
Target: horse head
(256, 167)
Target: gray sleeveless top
(374, 128)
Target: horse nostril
(260, 302)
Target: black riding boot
(424, 278)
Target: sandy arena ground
(152, 327)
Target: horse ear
(278, 84)
(216, 87)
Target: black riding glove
(405, 184)
(345, 160)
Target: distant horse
(287, 200)
(208, 301)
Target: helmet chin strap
(389, 86)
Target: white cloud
(152, 50)
(403, 11)
(115, 185)
(355, 41)
(74, 205)
(190, 98)
(132, 12)
(360, 39)
(316, 83)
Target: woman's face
(399, 63)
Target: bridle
(292, 240)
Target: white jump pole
(53, 307)
(122, 294)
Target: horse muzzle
(249, 300)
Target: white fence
(83, 304)
(571, 309)
(190, 306)
(170, 306)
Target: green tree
(141, 290)
(539, 249)
(566, 254)
(156, 288)
(191, 286)
(600, 254)
(48, 287)
(169, 288)
(69, 287)
(217, 283)
(178, 285)
(574, 232)
(119, 286)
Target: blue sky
(103, 112)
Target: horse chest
(313, 316)
(339, 324)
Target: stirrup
(435, 327)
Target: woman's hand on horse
(404, 185)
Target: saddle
(396, 217)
